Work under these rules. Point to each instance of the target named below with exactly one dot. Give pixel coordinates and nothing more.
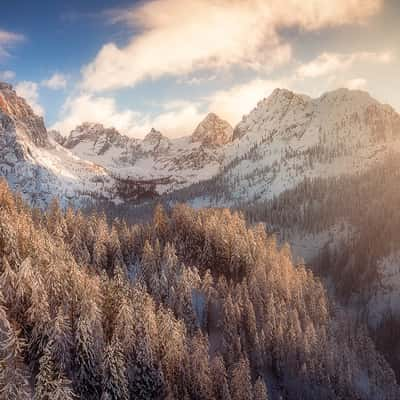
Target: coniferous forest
(195, 304)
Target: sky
(165, 64)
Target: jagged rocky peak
(154, 135)
(277, 103)
(213, 131)
(26, 121)
(89, 131)
(57, 137)
(155, 141)
(346, 111)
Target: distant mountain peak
(22, 114)
(213, 131)
(154, 134)
(92, 131)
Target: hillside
(194, 305)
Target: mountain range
(321, 173)
(285, 139)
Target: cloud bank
(177, 37)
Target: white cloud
(89, 108)
(356, 84)
(175, 37)
(7, 75)
(233, 103)
(55, 82)
(176, 118)
(328, 63)
(196, 80)
(176, 122)
(29, 91)
(7, 40)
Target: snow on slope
(288, 137)
(37, 166)
(179, 161)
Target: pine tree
(14, 384)
(62, 340)
(220, 379)
(160, 223)
(50, 382)
(8, 282)
(260, 390)
(149, 262)
(147, 381)
(100, 259)
(87, 360)
(114, 385)
(241, 386)
(200, 379)
(55, 220)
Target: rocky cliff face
(213, 131)
(174, 162)
(37, 166)
(23, 116)
(101, 137)
(285, 139)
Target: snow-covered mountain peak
(213, 131)
(289, 136)
(286, 138)
(271, 111)
(155, 141)
(27, 122)
(154, 135)
(96, 136)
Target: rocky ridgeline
(22, 114)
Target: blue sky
(166, 63)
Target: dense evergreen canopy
(194, 305)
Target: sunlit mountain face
(199, 200)
(167, 64)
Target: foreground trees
(194, 305)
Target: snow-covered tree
(50, 383)
(146, 380)
(220, 379)
(260, 390)
(14, 378)
(114, 383)
(87, 366)
(241, 385)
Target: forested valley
(195, 304)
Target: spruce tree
(114, 382)
(14, 383)
(260, 390)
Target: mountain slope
(38, 167)
(179, 162)
(290, 137)
(194, 305)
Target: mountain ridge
(284, 139)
